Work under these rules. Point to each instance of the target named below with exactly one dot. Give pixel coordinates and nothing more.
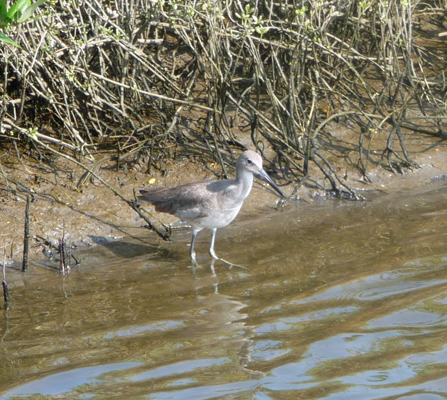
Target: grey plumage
(209, 204)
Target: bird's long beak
(262, 174)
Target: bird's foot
(194, 264)
(230, 264)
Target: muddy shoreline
(93, 215)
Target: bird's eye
(249, 162)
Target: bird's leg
(213, 239)
(192, 251)
(213, 254)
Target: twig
(26, 237)
(157, 96)
(4, 284)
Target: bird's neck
(245, 179)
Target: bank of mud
(88, 214)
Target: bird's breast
(211, 218)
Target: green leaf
(23, 5)
(11, 12)
(3, 11)
(6, 39)
(17, 9)
(28, 12)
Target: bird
(210, 204)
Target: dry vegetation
(149, 80)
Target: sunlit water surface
(341, 300)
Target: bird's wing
(185, 201)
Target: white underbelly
(213, 219)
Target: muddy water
(341, 300)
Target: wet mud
(340, 300)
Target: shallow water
(341, 300)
